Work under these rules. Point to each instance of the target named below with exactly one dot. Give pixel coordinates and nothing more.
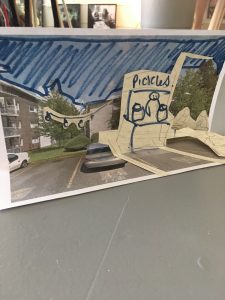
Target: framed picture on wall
(102, 16)
(74, 15)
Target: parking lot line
(17, 174)
(74, 173)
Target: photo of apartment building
(19, 114)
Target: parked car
(99, 158)
(18, 160)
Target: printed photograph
(96, 113)
(102, 16)
(74, 15)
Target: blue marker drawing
(146, 99)
(91, 69)
(138, 115)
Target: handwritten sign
(144, 110)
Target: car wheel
(24, 164)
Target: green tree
(208, 75)
(195, 90)
(53, 128)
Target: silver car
(100, 158)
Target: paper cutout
(169, 149)
(217, 109)
(213, 140)
(78, 120)
(145, 120)
(88, 70)
(202, 122)
(183, 119)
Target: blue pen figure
(137, 115)
(146, 99)
(161, 111)
(152, 113)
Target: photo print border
(72, 37)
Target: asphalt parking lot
(62, 175)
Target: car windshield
(98, 148)
(12, 157)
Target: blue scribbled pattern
(91, 69)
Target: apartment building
(19, 114)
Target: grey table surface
(158, 239)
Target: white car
(18, 160)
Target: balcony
(13, 150)
(9, 110)
(11, 132)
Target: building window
(21, 142)
(20, 124)
(33, 125)
(2, 102)
(12, 157)
(35, 141)
(10, 101)
(33, 108)
(11, 123)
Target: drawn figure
(138, 113)
(161, 109)
(162, 113)
(154, 112)
(145, 120)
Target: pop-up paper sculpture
(146, 122)
(87, 110)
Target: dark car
(99, 158)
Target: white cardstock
(83, 110)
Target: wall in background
(170, 14)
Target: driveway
(62, 175)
